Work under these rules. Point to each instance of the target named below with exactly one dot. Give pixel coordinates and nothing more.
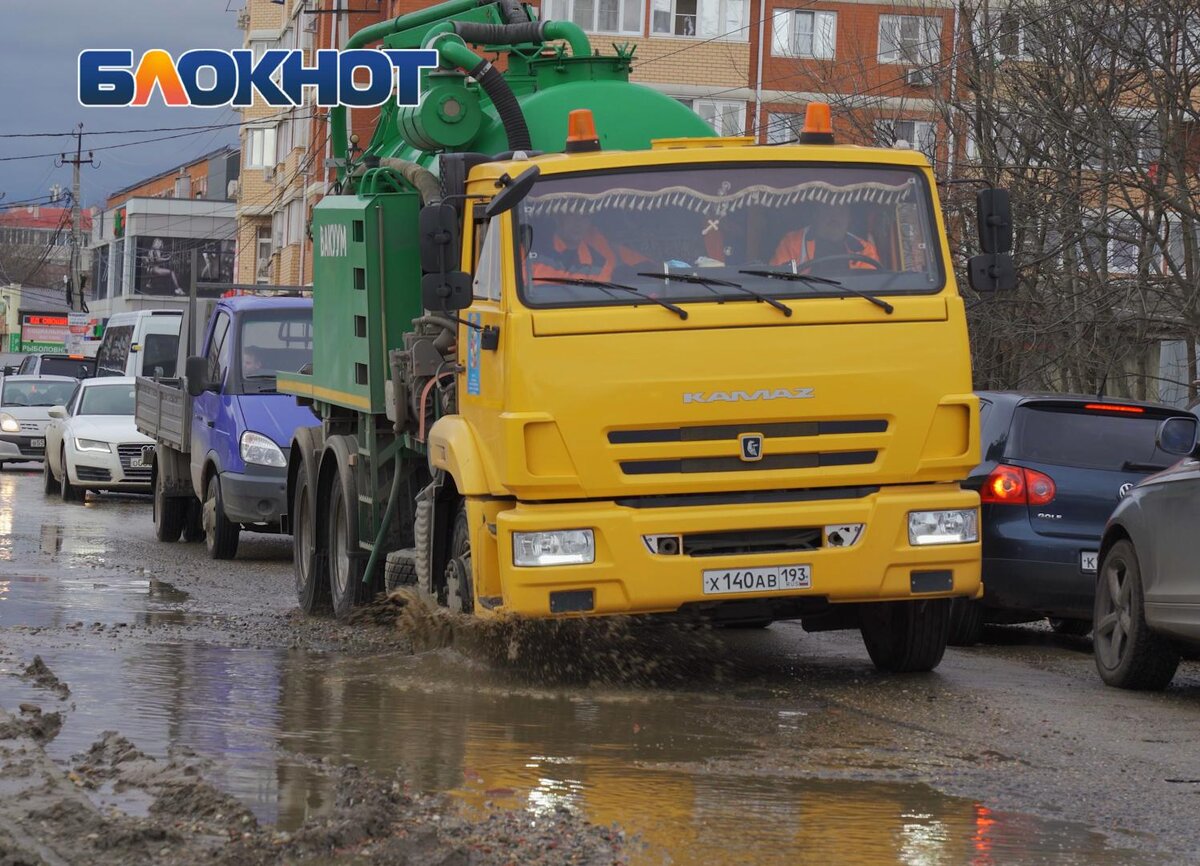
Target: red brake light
(1041, 487)
(1013, 485)
(1114, 407)
(1005, 486)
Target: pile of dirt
(33, 723)
(42, 676)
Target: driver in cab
(579, 250)
(828, 236)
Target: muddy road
(184, 711)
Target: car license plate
(1087, 560)
(37, 443)
(773, 578)
(136, 462)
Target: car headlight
(92, 445)
(559, 547)
(8, 423)
(943, 527)
(257, 448)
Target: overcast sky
(40, 41)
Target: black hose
(507, 107)
(499, 34)
(514, 13)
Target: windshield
(867, 228)
(272, 343)
(107, 400)
(36, 393)
(79, 368)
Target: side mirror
(59, 412)
(513, 193)
(196, 372)
(995, 220)
(1177, 436)
(437, 225)
(992, 273)
(446, 292)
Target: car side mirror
(1177, 436)
(196, 373)
(995, 220)
(992, 272)
(444, 288)
(59, 412)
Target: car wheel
(70, 493)
(1070, 627)
(49, 482)
(220, 536)
(168, 512)
(1129, 655)
(346, 565)
(966, 622)
(311, 573)
(906, 636)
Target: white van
(142, 343)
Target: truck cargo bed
(163, 411)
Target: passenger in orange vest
(829, 235)
(578, 249)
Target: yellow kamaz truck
(577, 356)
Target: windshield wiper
(708, 282)
(1134, 466)
(822, 281)
(605, 284)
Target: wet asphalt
(763, 746)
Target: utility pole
(75, 296)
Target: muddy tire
(906, 636)
(169, 512)
(966, 622)
(220, 536)
(460, 585)
(308, 566)
(399, 570)
(193, 522)
(69, 492)
(1128, 654)
(49, 482)
(1071, 627)
(346, 564)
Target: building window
(599, 16)
(783, 127)
(260, 147)
(262, 256)
(804, 34)
(295, 221)
(915, 39)
(921, 134)
(708, 19)
(726, 117)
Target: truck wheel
(345, 565)
(70, 493)
(49, 482)
(400, 569)
(966, 622)
(460, 590)
(220, 536)
(169, 512)
(906, 636)
(193, 521)
(1129, 655)
(312, 576)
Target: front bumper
(18, 446)
(627, 578)
(98, 470)
(259, 496)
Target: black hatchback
(1054, 468)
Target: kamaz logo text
(744, 396)
(333, 240)
(208, 78)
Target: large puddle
(686, 771)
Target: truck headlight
(260, 449)
(559, 547)
(943, 527)
(9, 424)
(92, 445)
